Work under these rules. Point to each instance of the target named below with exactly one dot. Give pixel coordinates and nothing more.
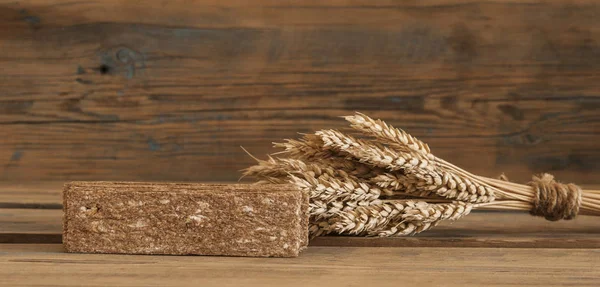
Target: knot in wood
(554, 200)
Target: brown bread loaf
(178, 219)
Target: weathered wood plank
(41, 195)
(480, 229)
(31, 221)
(323, 266)
(32, 213)
(158, 90)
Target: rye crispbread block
(185, 219)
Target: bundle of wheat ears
(390, 184)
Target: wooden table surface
(484, 248)
(45, 264)
(169, 90)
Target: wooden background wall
(170, 90)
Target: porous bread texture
(185, 219)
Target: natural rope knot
(554, 200)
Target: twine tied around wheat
(390, 184)
(554, 200)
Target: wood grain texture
(479, 229)
(31, 195)
(32, 213)
(169, 90)
(322, 266)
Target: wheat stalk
(370, 152)
(388, 134)
(310, 148)
(396, 218)
(391, 184)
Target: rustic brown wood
(31, 221)
(318, 266)
(480, 229)
(169, 90)
(48, 195)
(39, 221)
(27, 195)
